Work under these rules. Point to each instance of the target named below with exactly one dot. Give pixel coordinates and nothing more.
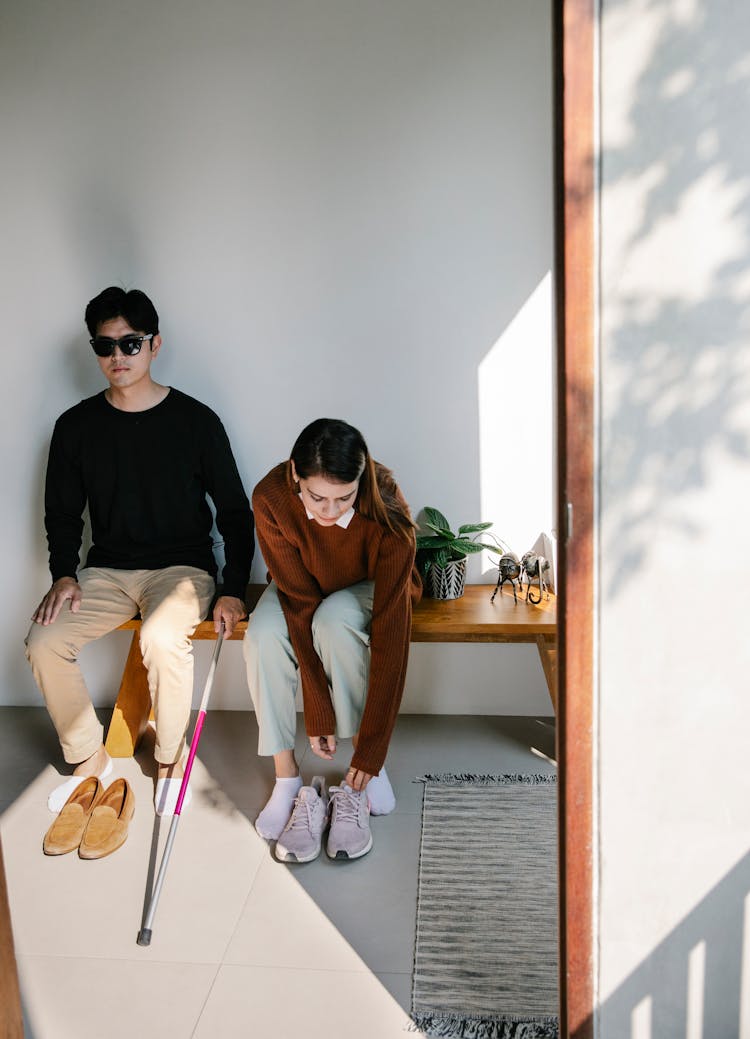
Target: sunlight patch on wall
(516, 426)
(640, 1021)
(696, 991)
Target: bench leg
(133, 707)
(547, 646)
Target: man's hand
(323, 746)
(63, 589)
(229, 609)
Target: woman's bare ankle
(285, 765)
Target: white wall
(338, 207)
(675, 411)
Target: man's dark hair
(134, 306)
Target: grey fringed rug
(485, 959)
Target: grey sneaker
(349, 836)
(301, 837)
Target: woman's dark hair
(134, 306)
(337, 451)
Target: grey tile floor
(242, 945)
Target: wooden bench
(472, 618)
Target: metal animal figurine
(510, 570)
(534, 567)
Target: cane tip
(144, 936)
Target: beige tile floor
(242, 945)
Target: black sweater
(145, 476)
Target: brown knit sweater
(308, 562)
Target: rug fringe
(457, 778)
(456, 1026)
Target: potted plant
(441, 555)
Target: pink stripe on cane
(189, 767)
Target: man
(143, 457)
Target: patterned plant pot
(447, 582)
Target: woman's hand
(357, 779)
(323, 746)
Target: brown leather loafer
(107, 827)
(66, 831)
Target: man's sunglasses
(129, 345)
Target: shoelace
(301, 814)
(347, 805)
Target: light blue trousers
(341, 637)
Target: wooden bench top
(472, 618)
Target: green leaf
(473, 528)
(466, 547)
(432, 541)
(442, 557)
(441, 531)
(435, 519)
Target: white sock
(380, 794)
(61, 793)
(275, 815)
(167, 792)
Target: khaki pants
(171, 602)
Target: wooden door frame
(575, 29)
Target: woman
(339, 545)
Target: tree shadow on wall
(676, 372)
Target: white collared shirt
(343, 521)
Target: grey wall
(675, 417)
(338, 207)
